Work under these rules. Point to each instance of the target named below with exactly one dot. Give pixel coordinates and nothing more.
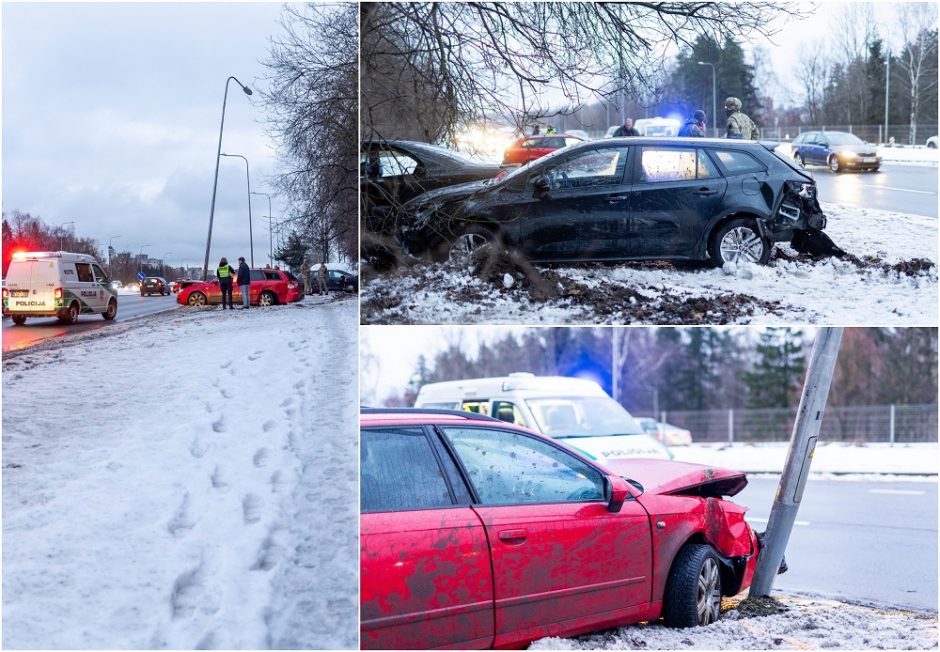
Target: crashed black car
(629, 199)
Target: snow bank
(829, 458)
(805, 623)
(186, 480)
(890, 282)
(911, 155)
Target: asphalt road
(130, 306)
(872, 542)
(896, 187)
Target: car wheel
(111, 311)
(739, 241)
(834, 164)
(463, 248)
(196, 299)
(71, 316)
(19, 320)
(799, 159)
(267, 299)
(693, 589)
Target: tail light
(6, 294)
(57, 293)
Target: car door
(425, 574)
(676, 192)
(562, 563)
(575, 208)
(104, 290)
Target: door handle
(613, 199)
(705, 192)
(513, 537)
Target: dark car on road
(154, 285)
(627, 199)
(476, 533)
(338, 280)
(838, 150)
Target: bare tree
(918, 59)
(812, 73)
(455, 62)
(313, 103)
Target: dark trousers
(226, 292)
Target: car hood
(671, 477)
(448, 193)
(865, 148)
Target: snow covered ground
(793, 623)
(892, 280)
(833, 458)
(186, 480)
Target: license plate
(19, 293)
(867, 160)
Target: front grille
(789, 211)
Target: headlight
(849, 154)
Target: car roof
(374, 416)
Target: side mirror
(616, 491)
(541, 184)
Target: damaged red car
(476, 533)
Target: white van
(575, 411)
(57, 284)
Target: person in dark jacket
(225, 274)
(694, 127)
(626, 129)
(244, 282)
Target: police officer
(694, 127)
(321, 279)
(739, 125)
(225, 274)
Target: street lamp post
(714, 97)
(270, 216)
(111, 253)
(251, 241)
(163, 259)
(62, 237)
(215, 183)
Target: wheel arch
(709, 233)
(731, 569)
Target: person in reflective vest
(225, 274)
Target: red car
(268, 287)
(532, 147)
(476, 533)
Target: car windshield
(442, 152)
(841, 138)
(522, 170)
(582, 416)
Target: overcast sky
(111, 120)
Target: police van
(573, 410)
(57, 284)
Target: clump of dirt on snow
(753, 607)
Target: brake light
(6, 294)
(57, 293)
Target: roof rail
(452, 413)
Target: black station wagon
(628, 199)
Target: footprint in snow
(287, 401)
(207, 642)
(198, 448)
(251, 508)
(267, 426)
(254, 356)
(225, 393)
(219, 425)
(182, 522)
(268, 555)
(225, 365)
(218, 479)
(261, 457)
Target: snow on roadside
(791, 289)
(806, 623)
(186, 481)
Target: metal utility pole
(270, 233)
(809, 417)
(62, 237)
(110, 254)
(614, 357)
(887, 92)
(251, 239)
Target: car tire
(799, 159)
(70, 316)
(739, 235)
(462, 249)
(19, 320)
(111, 312)
(834, 165)
(693, 589)
(197, 299)
(267, 298)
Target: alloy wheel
(708, 593)
(464, 246)
(741, 244)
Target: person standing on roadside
(626, 129)
(321, 278)
(694, 127)
(244, 282)
(225, 274)
(306, 273)
(739, 124)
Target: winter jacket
(225, 275)
(244, 274)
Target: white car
(932, 142)
(666, 432)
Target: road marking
(900, 492)
(921, 192)
(764, 520)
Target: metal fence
(869, 133)
(870, 423)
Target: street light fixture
(270, 217)
(215, 183)
(714, 96)
(110, 253)
(251, 241)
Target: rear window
(736, 162)
(399, 471)
(659, 164)
(257, 275)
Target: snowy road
(189, 482)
